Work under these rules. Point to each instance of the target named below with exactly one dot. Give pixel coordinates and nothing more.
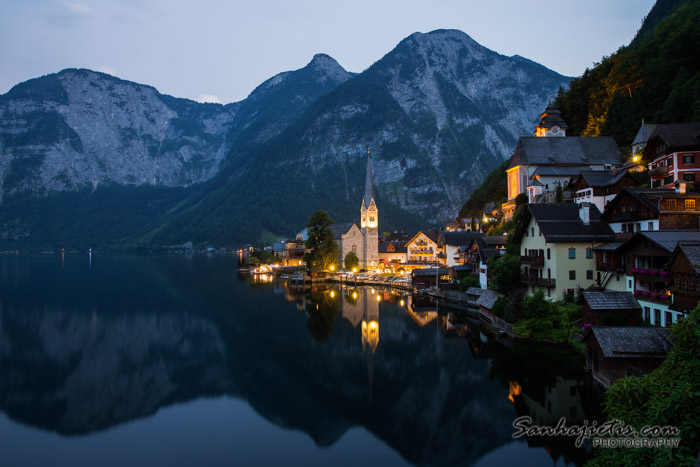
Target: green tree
(351, 260)
(324, 250)
(505, 270)
(467, 281)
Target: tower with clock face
(551, 123)
(369, 223)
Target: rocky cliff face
(81, 127)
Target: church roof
(644, 133)
(369, 188)
(570, 150)
(341, 229)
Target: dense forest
(655, 78)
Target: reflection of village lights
(354, 270)
(402, 303)
(371, 291)
(332, 294)
(635, 159)
(513, 390)
(354, 295)
(332, 267)
(379, 298)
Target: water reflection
(84, 351)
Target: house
(478, 253)
(615, 352)
(674, 152)
(610, 267)
(610, 309)
(549, 160)
(423, 247)
(645, 258)
(684, 269)
(639, 209)
(392, 253)
(600, 186)
(428, 278)
(556, 247)
(449, 244)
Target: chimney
(584, 212)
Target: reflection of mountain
(179, 329)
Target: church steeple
(369, 188)
(551, 123)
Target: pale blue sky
(223, 49)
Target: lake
(178, 360)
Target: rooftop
(631, 342)
(570, 150)
(488, 298)
(610, 300)
(561, 223)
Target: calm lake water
(176, 360)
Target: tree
(324, 250)
(505, 270)
(351, 260)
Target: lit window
(690, 205)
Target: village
(581, 225)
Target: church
(363, 240)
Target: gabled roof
(644, 133)
(691, 251)
(602, 178)
(677, 135)
(550, 117)
(631, 342)
(648, 197)
(553, 171)
(610, 246)
(341, 229)
(666, 239)
(459, 238)
(569, 150)
(611, 300)
(430, 272)
(561, 223)
(488, 298)
(399, 247)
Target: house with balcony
(684, 269)
(423, 247)
(674, 152)
(645, 257)
(643, 209)
(290, 252)
(610, 267)
(449, 245)
(477, 253)
(392, 254)
(600, 186)
(556, 247)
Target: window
(657, 317)
(669, 318)
(548, 255)
(639, 226)
(656, 183)
(589, 274)
(670, 162)
(533, 231)
(572, 253)
(371, 218)
(690, 205)
(688, 159)
(354, 248)
(668, 179)
(589, 253)
(645, 314)
(572, 275)
(689, 177)
(671, 204)
(650, 226)
(629, 284)
(605, 257)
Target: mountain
(438, 113)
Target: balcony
(538, 281)
(656, 297)
(653, 275)
(537, 261)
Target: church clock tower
(369, 215)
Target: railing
(532, 260)
(540, 281)
(655, 275)
(657, 297)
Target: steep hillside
(655, 78)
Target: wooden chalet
(611, 309)
(684, 268)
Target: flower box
(645, 293)
(643, 271)
(635, 270)
(663, 273)
(653, 272)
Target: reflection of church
(362, 308)
(363, 240)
